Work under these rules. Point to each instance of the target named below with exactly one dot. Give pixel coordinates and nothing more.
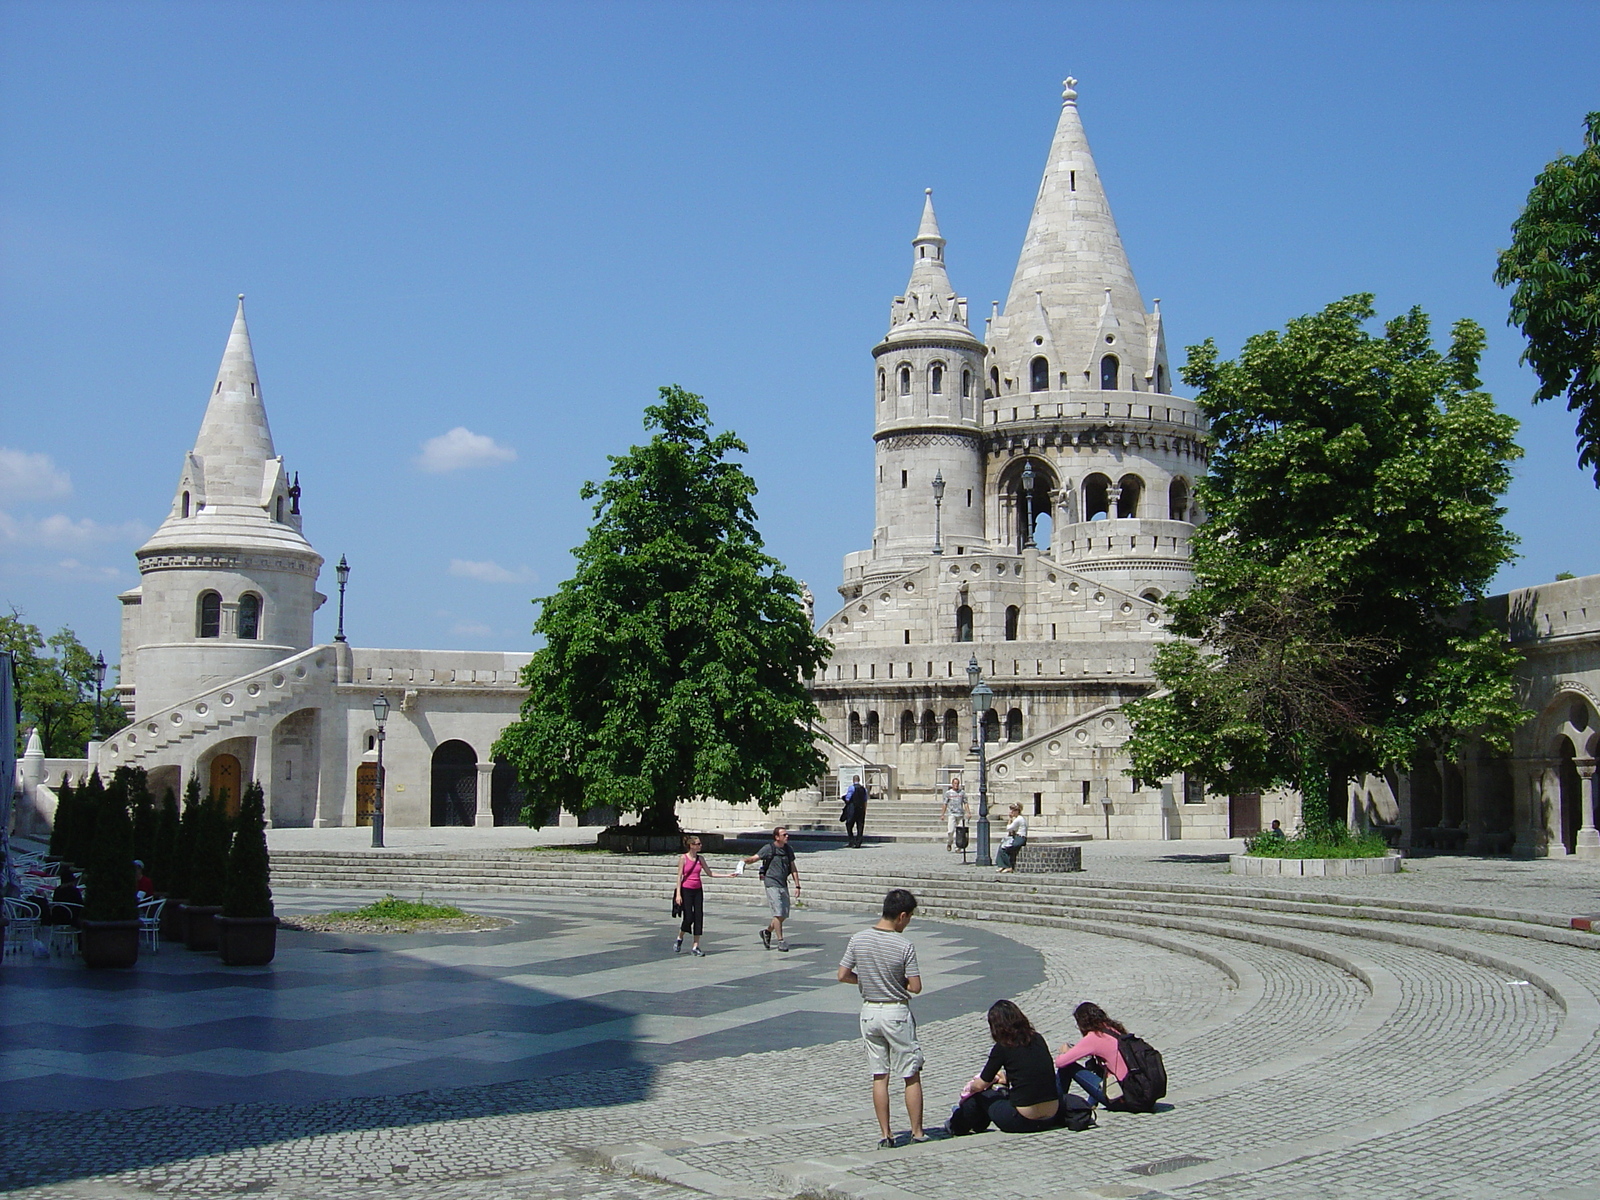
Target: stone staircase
(248, 706)
(947, 892)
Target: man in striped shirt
(883, 962)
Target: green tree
(61, 826)
(1554, 263)
(109, 883)
(142, 810)
(249, 892)
(1352, 507)
(208, 864)
(165, 849)
(180, 869)
(56, 684)
(675, 656)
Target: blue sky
(518, 220)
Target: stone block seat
(1049, 858)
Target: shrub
(1334, 841)
(142, 810)
(248, 892)
(61, 826)
(164, 850)
(109, 881)
(208, 864)
(181, 869)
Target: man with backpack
(854, 812)
(777, 866)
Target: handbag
(677, 905)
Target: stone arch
(991, 726)
(1130, 491)
(936, 379)
(963, 622)
(455, 784)
(952, 725)
(1110, 370)
(1096, 490)
(854, 734)
(908, 727)
(905, 379)
(874, 731)
(1178, 499)
(250, 617)
(506, 796)
(226, 779)
(1027, 506)
(1014, 725)
(1013, 620)
(1039, 374)
(930, 726)
(208, 614)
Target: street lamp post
(1027, 506)
(938, 506)
(982, 702)
(380, 710)
(99, 682)
(343, 572)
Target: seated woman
(1016, 838)
(1028, 1102)
(1095, 1056)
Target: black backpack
(1147, 1075)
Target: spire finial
(1069, 90)
(927, 191)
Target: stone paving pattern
(1292, 1077)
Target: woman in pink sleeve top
(1096, 1049)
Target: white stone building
(222, 677)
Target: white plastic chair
(64, 938)
(150, 924)
(22, 925)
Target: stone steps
(956, 893)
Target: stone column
(1548, 793)
(1527, 815)
(1404, 818)
(1588, 843)
(1473, 801)
(485, 814)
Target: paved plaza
(572, 1054)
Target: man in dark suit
(854, 814)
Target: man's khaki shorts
(889, 1032)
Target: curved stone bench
(1246, 864)
(1044, 858)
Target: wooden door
(366, 792)
(225, 781)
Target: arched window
(1161, 378)
(994, 382)
(1014, 725)
(186, 504)
(905, 381)
(1109, 367)
(936, 380)
(1013, 617)
(1151, 595)
(1128, 498)
(883, 384)
(249, 616)
(952, 725)
(966, 385)
(278, 511)
(210, 625)
(1096, 498)
(1178, 500)
(908, 726)
(991, 726)
(855, 727)
(872, 727)
(1039, 375)
(930, 726)
(964, 623)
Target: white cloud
(68, 570)
(61, 532)
(488, 572)
(25, 476)
(460, 449)
(470, 629)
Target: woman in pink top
(1095, 1056)
(692, 869)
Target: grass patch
(580, 849)
(1337, 842)
(392, 908)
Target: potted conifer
(208, 874)
(110, 926)
(164, 845)
(173, 926)
(247, 929)
(61, 824)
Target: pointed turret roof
(930, 304)
(1072, 275)
(232, 480)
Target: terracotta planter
(247, 941)
(172, 920)
(200, 926)
(109, 943)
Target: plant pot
(247, 941)
(200, 926)
(172, 920)
(109, 943)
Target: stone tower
(929, 392)
(227, 584)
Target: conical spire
(1072, 268)
(234, 437)
(929, 299)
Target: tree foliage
(1554, 264)
(109, 882)
(164, 851)
(55, 682)
(1352, 509)
(180, 870)
(208, 861)
(675, 655)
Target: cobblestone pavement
(1317, 1061)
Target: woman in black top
(1029, 1101)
